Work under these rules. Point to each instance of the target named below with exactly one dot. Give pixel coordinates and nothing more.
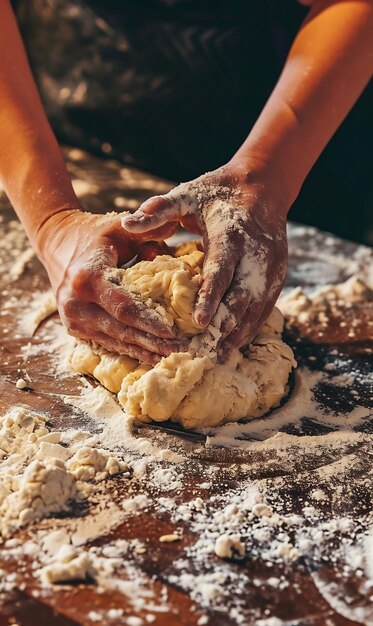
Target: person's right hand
(243, 224)
(79, 250)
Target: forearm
(32, 169)
(328, 66)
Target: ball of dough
(190, 387)
(169, 285)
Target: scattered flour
(40, 307)
(251, 518)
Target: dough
(68, 564)
(108, 368)
(337, 313)
(229, 547)
(190, 387)
(169, 285)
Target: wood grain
(300, 602)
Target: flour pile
(40, 473)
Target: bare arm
(32, 169)
(241, 207)
(328, 66)
(76, 247)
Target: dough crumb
(22, 384)
(68, 565)
(229, 547)
(262, 510)
(169, 538)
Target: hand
(244, 235)
(78, 249)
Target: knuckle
(72, 328)
(204, 290)
(81, 280)
(122, 311)
(70, 308)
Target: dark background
(174, 86)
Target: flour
(249, 520)
(331, 264)
(342, 312)
(96, 401)
(167, 479)
(66, 562)
(40, 307)
(67, 565)
(21, 263)
(304, 506)
(53, 341)
(117, 425)
(38, 476)
(16, 250)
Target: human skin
(240, 209)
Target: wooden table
(316, 589)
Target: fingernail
(131, 218)
(201, 319)
(170, 331)
(222, 354)
(125, 221)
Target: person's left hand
(242, 221)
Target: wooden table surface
(319, 590)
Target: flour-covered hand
(79, 251)
(244, 235)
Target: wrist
(260, 173)
(49, 232)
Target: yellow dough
(169, 286)
(190, 387)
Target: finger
(121, 250)
(156, 234)
(236, 303)
(273, 294)
(148, 250)
(134, 351)
(84, 326)
(257, 312)
(190, 222)
(275, 279)
(97, 285)
(123, 306)
(90, 321)
(153, 214)
(218, 270)
(244, 333)
(247, 288)
(96, 319)
(129, 335)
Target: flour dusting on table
(235, 532)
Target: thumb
(152, 215)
